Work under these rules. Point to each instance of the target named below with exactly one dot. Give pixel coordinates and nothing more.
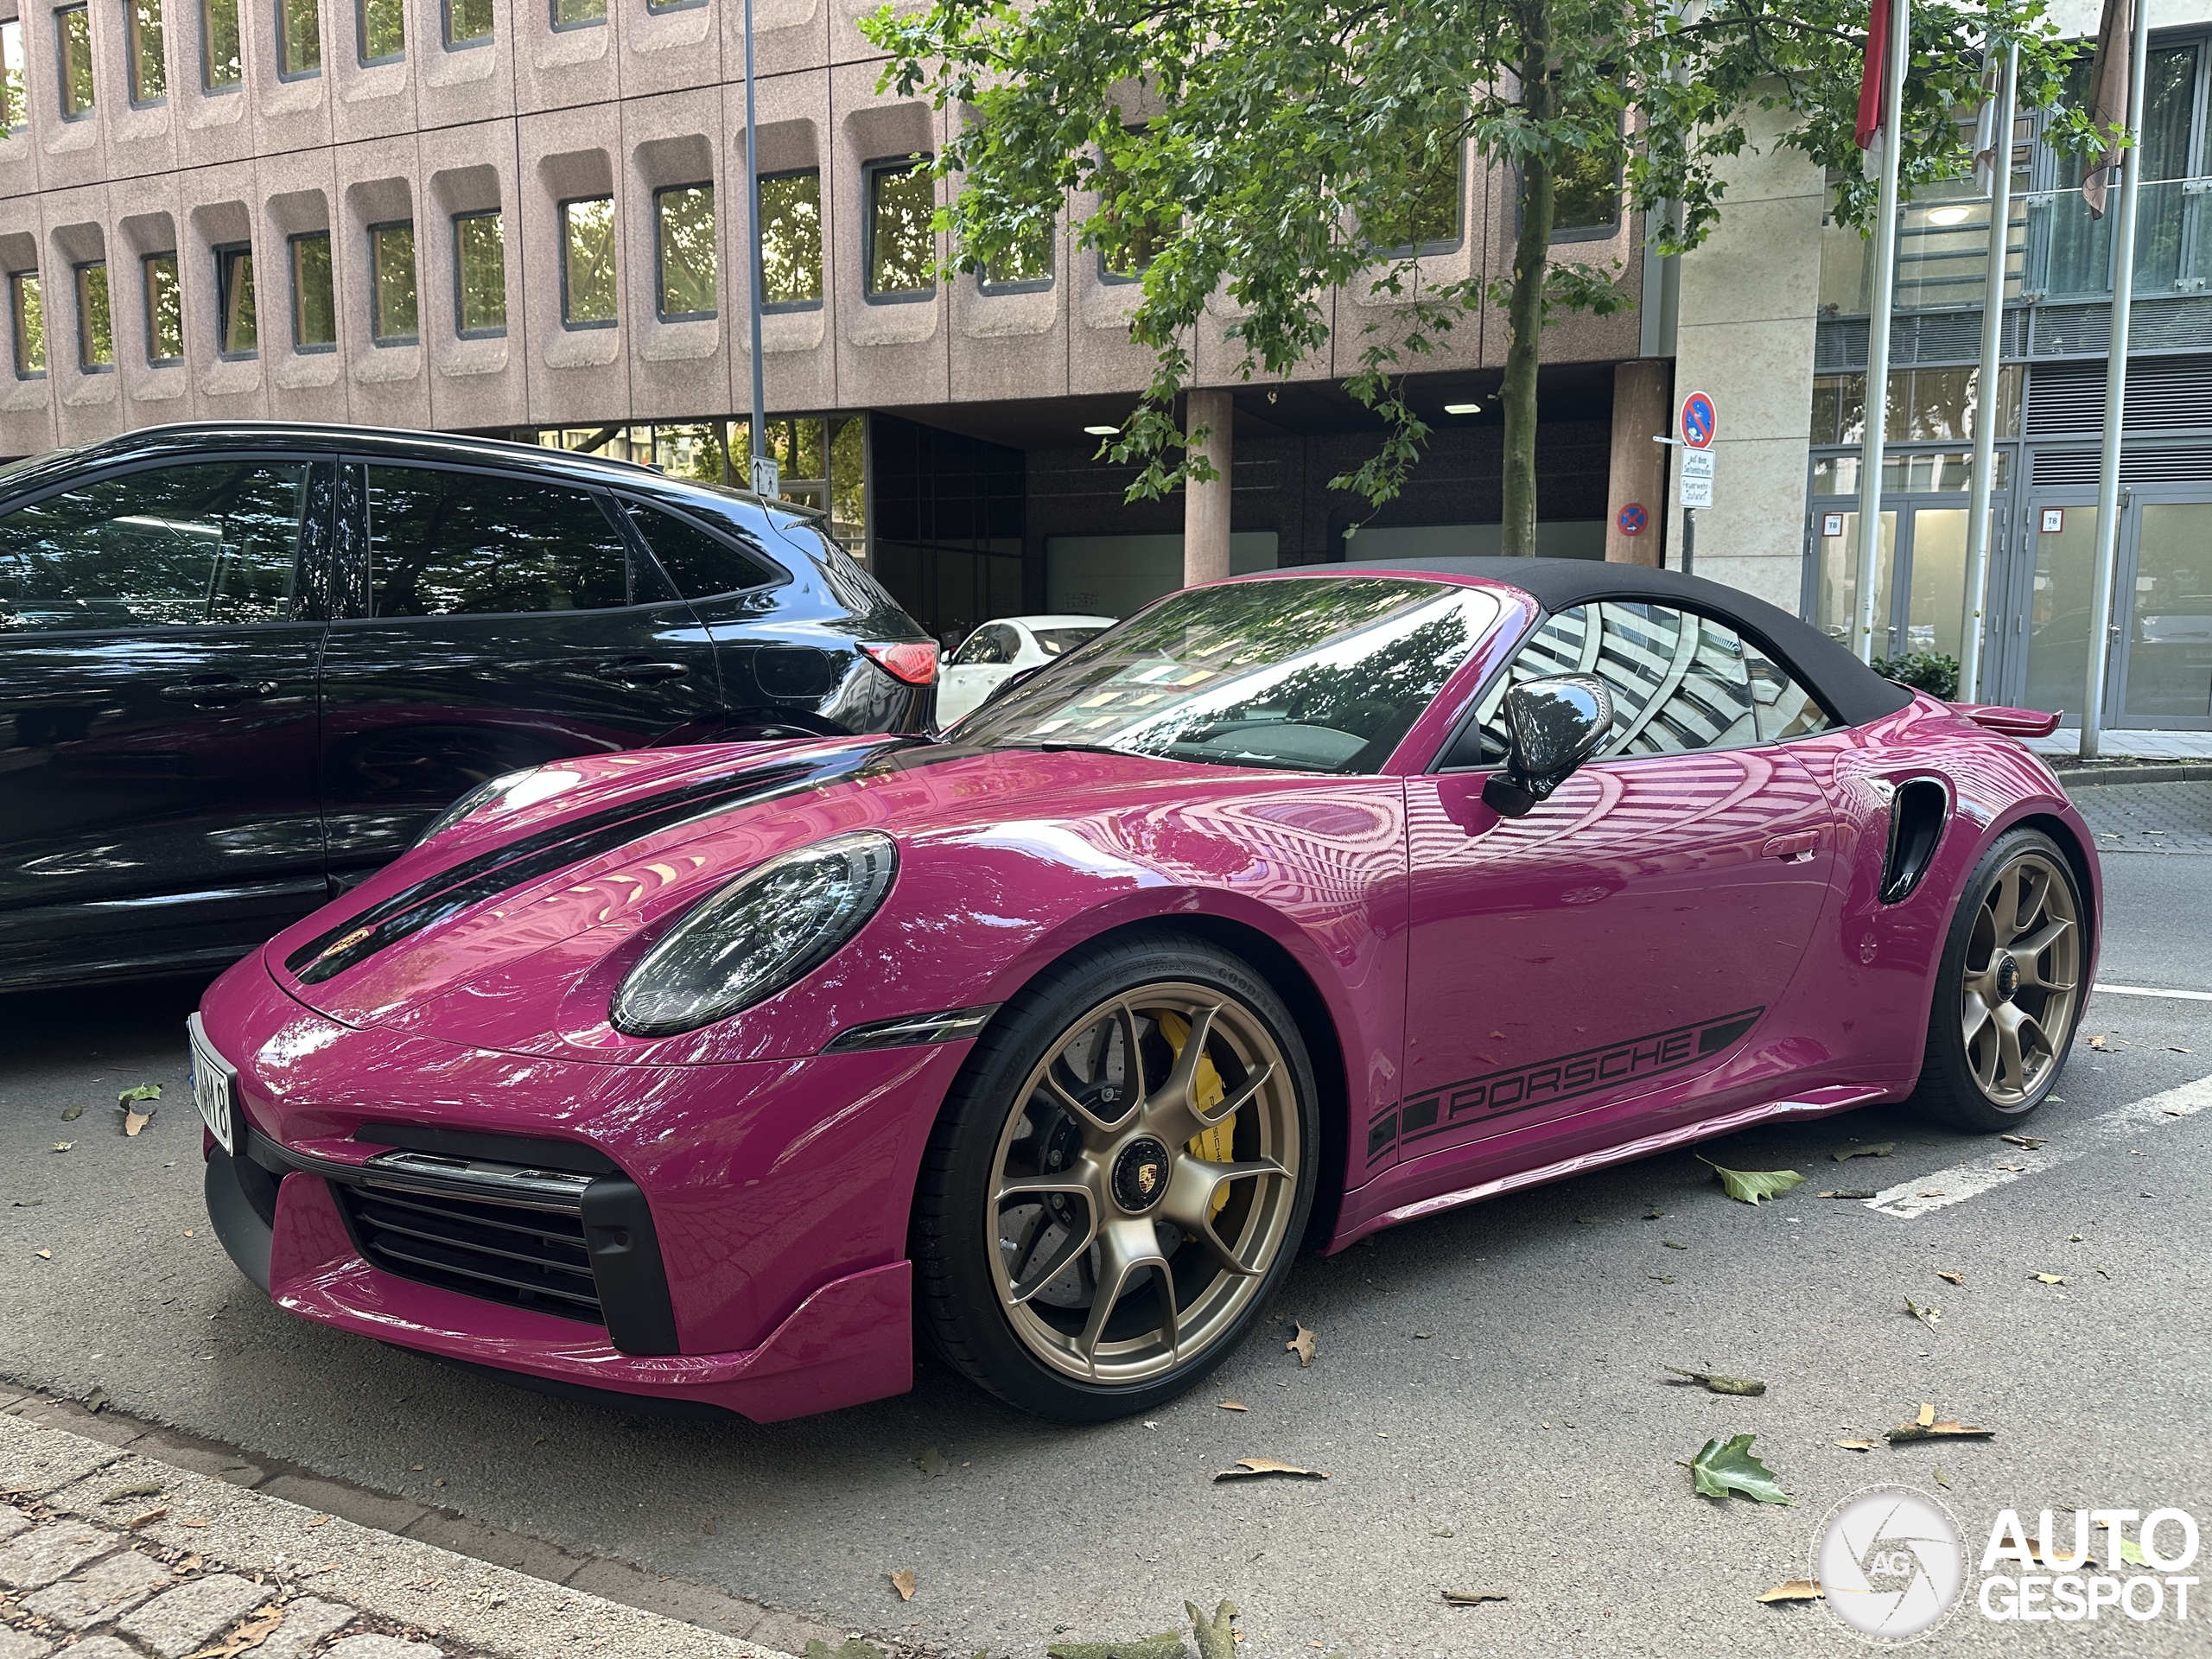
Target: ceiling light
(1947, 216)
(1102, 431)
(1463, 409)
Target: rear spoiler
(2013, 722)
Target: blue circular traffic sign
(1631, 519)
(1697, 421)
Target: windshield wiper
(1054, 747)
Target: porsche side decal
(1546, 1083)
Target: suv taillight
(914, 662)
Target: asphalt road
(1487, 1397)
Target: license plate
(214, 1087)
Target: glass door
(1920, 596)
(2165, 633)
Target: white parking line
(2145, 990)
(1960, 1182)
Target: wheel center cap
(2007, 976)
(1141, 1175)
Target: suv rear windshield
(1313, 674)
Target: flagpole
(1986, 403)
(1878, 332)
(2123, 295)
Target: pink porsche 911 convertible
(1296, 907)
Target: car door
(492, 620)
(158, 652)
(1633, 929)
(975, 671)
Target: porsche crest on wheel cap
(1140, 1174)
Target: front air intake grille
(502, 1252)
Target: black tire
(964, 1310)
(1960, 1084)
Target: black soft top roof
(1853, 691)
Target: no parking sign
(1631, 519)
(1699, 421)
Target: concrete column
(1206, 507)
(1642, 398)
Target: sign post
(1699, 422)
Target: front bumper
(714, 1233)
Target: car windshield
(1058, 642)
(1315, 674)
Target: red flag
(1872, 79)
(2109, 110)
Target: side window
(985, 647)
(700, 565)
(445, 544)
(174, 546)
(1680, 682)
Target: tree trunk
(1524, 314)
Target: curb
(335, 1578)
(2166, 771)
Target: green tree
(1275, 150)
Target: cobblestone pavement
(2150, 817)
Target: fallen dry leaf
(2048, 1278)
(1943, 1480)
(1302, 1344)
(1854, 1192)
(1927, 1316)
(933, 1462)
(133, 1121)
(319, 1521)
(1672, 1245)
(903, 1581)
(2099, 1045)
(140, 1489)
(72, 1113)
(1946, 1430)
(196, 1521)
(1252, 1468)
(1470, 1598)
(1950, 1277)
(1234, 1405)
(145, 1520)
(1663, 1278)
(1927, 1414)
(251, 1634)
(1716, 1384)
(1879, 1149)
(63, 1145)
(2031, 1141)
(1796, 1590)
(1856, 1445)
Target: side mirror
(1552, 726)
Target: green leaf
(1879, 1149)
(1716, 1384)
(1721, 1469)
(143, 1091)
(1750, 1186)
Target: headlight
(519, 789)
(772, 926)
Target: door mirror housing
(1552, 726)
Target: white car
(1001, 649)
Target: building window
(790, 241)
(149, 68)
(1026, 269)
(468, 22)
(657, 7)
(95, 320)
(15, 115)
(578, 14)
(28, 313)
(480, 252)
(236, 336)
(1586, 198)
(1434, 218)
(394, 318)
(73, 29)
(901, 251)
(164, 309)
(684, 219)
(299, 38)
(1145, 240)
(219, 67)
(382, 26)
(587, 263)
(314, 302)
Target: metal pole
(1689, 541)
(759, 445)
(1878, 334)
(1985, 414)
(2123, 286)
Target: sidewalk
(126, 1557)
(2128, 745)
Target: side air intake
(1918, 812)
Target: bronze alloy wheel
(1145, 1183)
(2020, 986)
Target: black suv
(242, 666)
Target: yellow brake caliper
(1215, 1145)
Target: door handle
(1792, 849)
(217, 693)
(639, 672)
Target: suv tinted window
(700, 565)
(446, 543)
(847, 579)
(215, 542)
(1680, 682)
